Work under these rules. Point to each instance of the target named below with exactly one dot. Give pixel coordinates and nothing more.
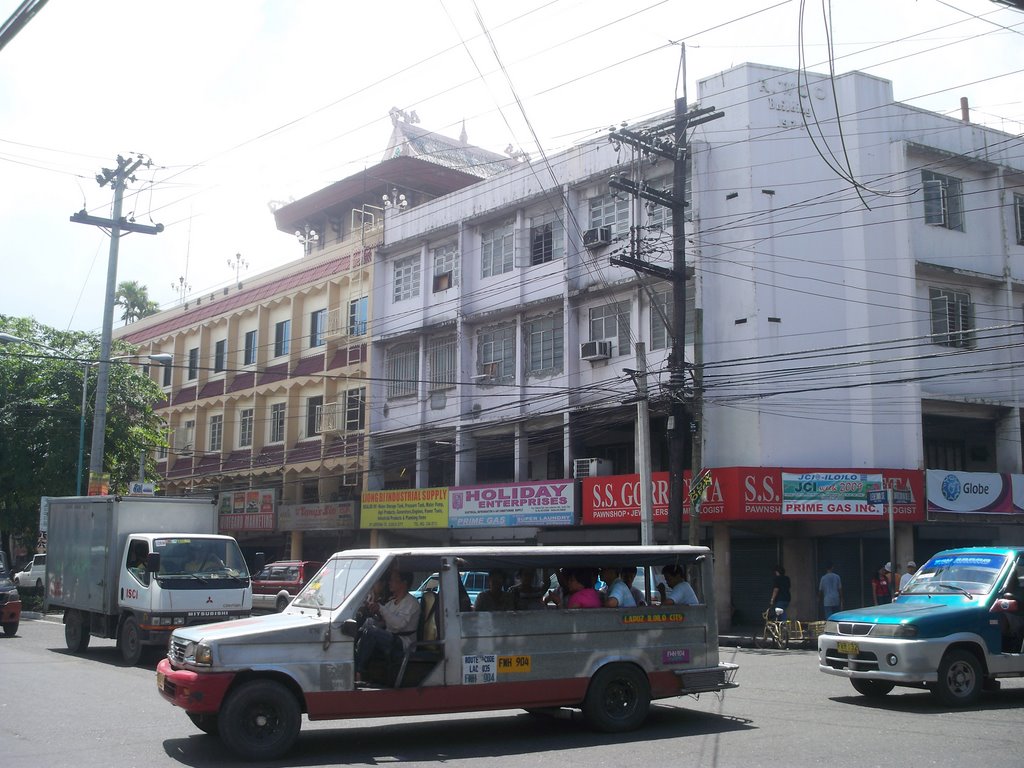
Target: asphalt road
(92, 712)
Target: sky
(241, 104)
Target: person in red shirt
(881, 585)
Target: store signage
(513, 504)
(989, 493)
(326, 516)
(404, 508)
(249, 510)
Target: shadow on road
(923, 703)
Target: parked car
(33, 575)
(275, 586)
(10, 605)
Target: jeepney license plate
(159, 681)
(845, 646)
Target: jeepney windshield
(334, 583)
(201, 559)
(973, 573)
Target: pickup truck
(956, 627)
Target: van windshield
(335, 582)
(974, 573)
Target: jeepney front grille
(853, 628)
(865, 661)
(176, 650)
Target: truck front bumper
(904, 662)
(195, 692)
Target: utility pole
(652, 141)
(117, 179)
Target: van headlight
(831, 627)
(198, 654)
(894, 630)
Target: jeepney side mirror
(153, 562)
(350, 627)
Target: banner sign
(405, 508)
(497, 506)
(248, 510)
(988, 493)
(326, 516)
(829, 493)
(615, 499)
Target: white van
(251, 680)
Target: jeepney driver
(400, 617)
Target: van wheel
(282, 603)
(260, 720)
(960, 679)
(618, 698)
(873, 689)
(76, 631)
(129, 641)
(207, 723)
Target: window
(314, 409)
(544, 345)
(216, 432)
(355, 408)
(245, 422)
(187, 436)
(220, 356)
(441, 359)
(496, 251)
(610, 211)
(446, 267)
(167, 375)
(277, 411)
(661, 317)
(250, 348)
(282, 337)
(1018, 212)
(357, 315)
(407, 277)
(402, 369)
(952, 318)
(546, 238)
(496, 352)
(193, 363)
(317, 326)
(611, 321)
(943, 201)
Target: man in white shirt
(904, 578)
(679, 591)
(400, 616)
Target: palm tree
(134, 298)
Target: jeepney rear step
(716, 679)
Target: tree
(135, 301)
(40, 416)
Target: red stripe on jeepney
(194, 692)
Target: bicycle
(775, 632)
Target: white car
(33, 574)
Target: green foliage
(40, 418)
(134, 299)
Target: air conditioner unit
(595, 350)
(591, 468)
(597, 237)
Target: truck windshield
(335, 582)
(200, 558)
(975, 573)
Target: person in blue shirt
(618, 594)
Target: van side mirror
(153, 562)
(350, 627)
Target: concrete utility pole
(117, 179)
(652, 141)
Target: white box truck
(137, 568)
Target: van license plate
(844, 646)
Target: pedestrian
(881, 585)
(908, 575)
(830, 587)
(780, 594)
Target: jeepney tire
(260, 720)
(11, 629)
(205, 722)
(618, 698)
(76, 631)
(961, 679)
(873, 689)
(129, 641)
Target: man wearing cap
(908, 575)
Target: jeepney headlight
(831, 627)
(198, 653)
(894, 630)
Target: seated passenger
(527, 594)
(494, 598)
(580, 587)
(629, 576)
(400, 617)
(617, 594)
(558, 594)
(679, 591)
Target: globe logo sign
(951, 488)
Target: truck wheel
(260, 720)
(960, 679)
(76, 631)
(618, 698)
(129, 641)
(207, 723)
(39, 585)
(873, 689)
(11, 629)
(282, 602)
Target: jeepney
(250, 680)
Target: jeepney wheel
(11, 629)
(207, 722)
(129, 641)
(873, 689)
(260, 720)
(76, 631)
(960, 679)
(618, 698)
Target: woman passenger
(580, 584)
